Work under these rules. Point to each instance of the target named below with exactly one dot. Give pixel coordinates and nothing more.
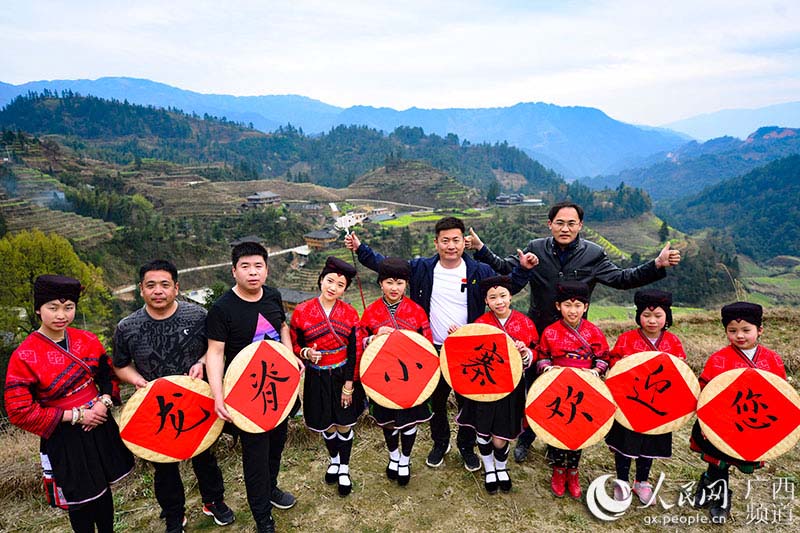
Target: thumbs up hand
(472, 241)
(668, 257)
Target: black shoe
(490, 482)
(504, 480)
(720, 509)
(391, 473)
(436, 457)
(176, 526)
(471, 461)
(345, 488)
(520, 452)
(403, 475)
(701, 499)
(281, 499)
(332, 474)
(221, 513)
(266, 526)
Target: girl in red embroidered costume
(323, 334)
(654, 317)
(395, 311)
(577, 343)
(499, 422)
(59, 386)
(742, 322)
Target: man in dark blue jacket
(446, 286)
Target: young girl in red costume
(577, 343)
(654, 317)
(390, 312)
(324, 335)
(59, 386)
(499, 422)
(742, 322)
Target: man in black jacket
(565, 256)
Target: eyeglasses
(572, 224)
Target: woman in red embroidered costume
(324, 335)
(577, 343)
(654, 317)
(59, 386)
(742, 322)
(499, 422)
(395, 311)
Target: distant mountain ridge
(738, 122)
(694, 166)
(574, 141)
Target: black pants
(169, 487)
(261, 461)
(527, 436)
(440, 423)
(99, 512)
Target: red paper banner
(750, 415)
(570, 409)
(652, 394)
(401, 370)
(265, 388)
(479, 364)
(171, 420)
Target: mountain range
(574, 141)
(738, 122)
(694, 166)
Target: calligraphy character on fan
(59, 387)
(654, 317)
(577, 343)
(743, 326)
(391, 312)
(499, 422)
(323, 333)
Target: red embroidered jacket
(635, 341)
(408, 315)
(731, 357)
(334, 335)
(44, 380)
(518, 326)
(582, 347)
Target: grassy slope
(442, 500)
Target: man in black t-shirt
(247, 313)
(165, 338)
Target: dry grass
(437, 500)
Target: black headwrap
(572, 290)
(495, 281)
(336, 265)
(394, 267)
(746, 311)
(650, 299)
(49, 287)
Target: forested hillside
(759, 210)
(694, 166)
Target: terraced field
(22, 214)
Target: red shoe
(558, 481)
(573, 483)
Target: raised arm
(366, 256)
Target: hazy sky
(643, 62)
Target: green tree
(28, 254)
(663, 233)
(493, 191)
